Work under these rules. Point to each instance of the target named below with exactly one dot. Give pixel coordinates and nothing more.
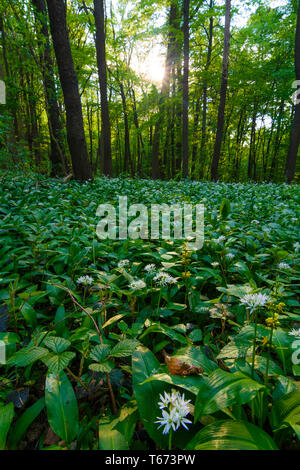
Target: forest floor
(96, 331)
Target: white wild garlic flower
(85, 280)
(254, 301)
(174, 408)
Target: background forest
(162, 89)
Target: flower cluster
(164, 279)
(273, 321)
(85, 280)
(123, 263)
(137, 285)
(254, 301)
(284, 266)
(295, 333)
(150, 268)
(174, 411)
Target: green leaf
(124, 348)
(165, 330)
(189, 383)
(23, 423)
(56, 344)
(56, 363)
(224, 209)
(195, 356)
(286, 412)
(6, 417)
(61, 405)
(100, 352)
(106, 367)
(110, 438)
(231, 435)
(27, 356)
(223, 389)
(144, 365)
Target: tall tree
(223, 92)
(101, 62)
(170, 62)
(57, 157)
(185, 89)
(291, 159)
(69, 83)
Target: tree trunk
(173, 24)
(204, 103)
(57, 157)
(101, 62)
(291, 159)
(223, 91)
(69, 83)
(185, 89)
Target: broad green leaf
(23, 423)
(231, 435)
(144, 365)
(189, 383)
(61, 405)
(27, 356)
(56, 363)
(100, 352)
(56, 344)
(286, 412)
(165, 330)
(106, 367)
(223, 389)
(6, 417)
(124, 348)
(109, 437)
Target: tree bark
(69, 83)
(57, 157)
(185, 89)
(291, 159)
(101, 62)
(223, 92)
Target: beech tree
(69, 83)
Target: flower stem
(254, 345)
(170, 439)
(269, 354)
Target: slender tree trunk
(251, 157)
(69, 83)
(223, 91)
(57, 157)
(204, 103)
(291, 159)
(185, 89)
(195, 143)
(277, 142)
(101, 62)
(127, 153)
(173, 24)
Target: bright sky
(150, 66)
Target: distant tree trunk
(277, 141)
(101, 62)
(195, 128)
(205, 81)
(57, 157)
(291, 159)
(127, 153)
(223, 91)
(251, 158)
(173, 24)
(69, 83)
(185, 89)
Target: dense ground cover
(91, 352)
